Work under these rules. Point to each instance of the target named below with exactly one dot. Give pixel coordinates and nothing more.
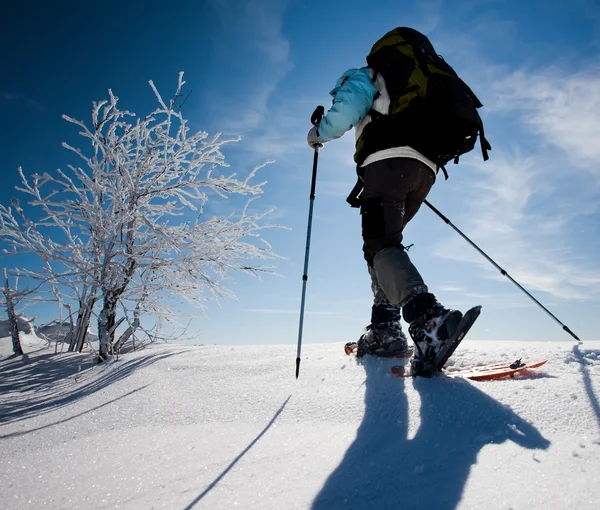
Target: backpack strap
(485, 145)
(353, 198)
(373, 113)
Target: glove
(312, 138)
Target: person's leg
(392, 194)
(382, 311)
(393, 191)
(384, 335)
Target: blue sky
(259, 68)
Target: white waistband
(400, 152)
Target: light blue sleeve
(352, 99)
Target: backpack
(431, 108)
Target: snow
(220, 427)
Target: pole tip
(297, 367)
(572, 334)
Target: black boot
(430, 327)
(382, 339)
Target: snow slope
(230, 427)
(24, 324)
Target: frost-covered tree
(129, 228)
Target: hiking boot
(431, 333)
(384, 339)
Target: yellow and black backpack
(431, 108)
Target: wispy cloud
(517, 214)
(450, 288)
(563, 108)
(259, 29)
(16, 96)
(279, 311)
(498, 301)
(428, 15)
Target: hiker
(401, 143)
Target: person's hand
(312, 138)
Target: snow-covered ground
(221, 427)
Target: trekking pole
(447, 221)
(315, 120)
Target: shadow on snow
(46, 382)
(235, 461)
(384, 469)
(586, 358)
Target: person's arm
(352, 99)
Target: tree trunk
(12, 318)
(103, 337)
(111, 318)
(127, 334)
(75, 337)
(86, 304)
(71, 329)
(107, 325)
(85, 323)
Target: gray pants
(394, 190)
